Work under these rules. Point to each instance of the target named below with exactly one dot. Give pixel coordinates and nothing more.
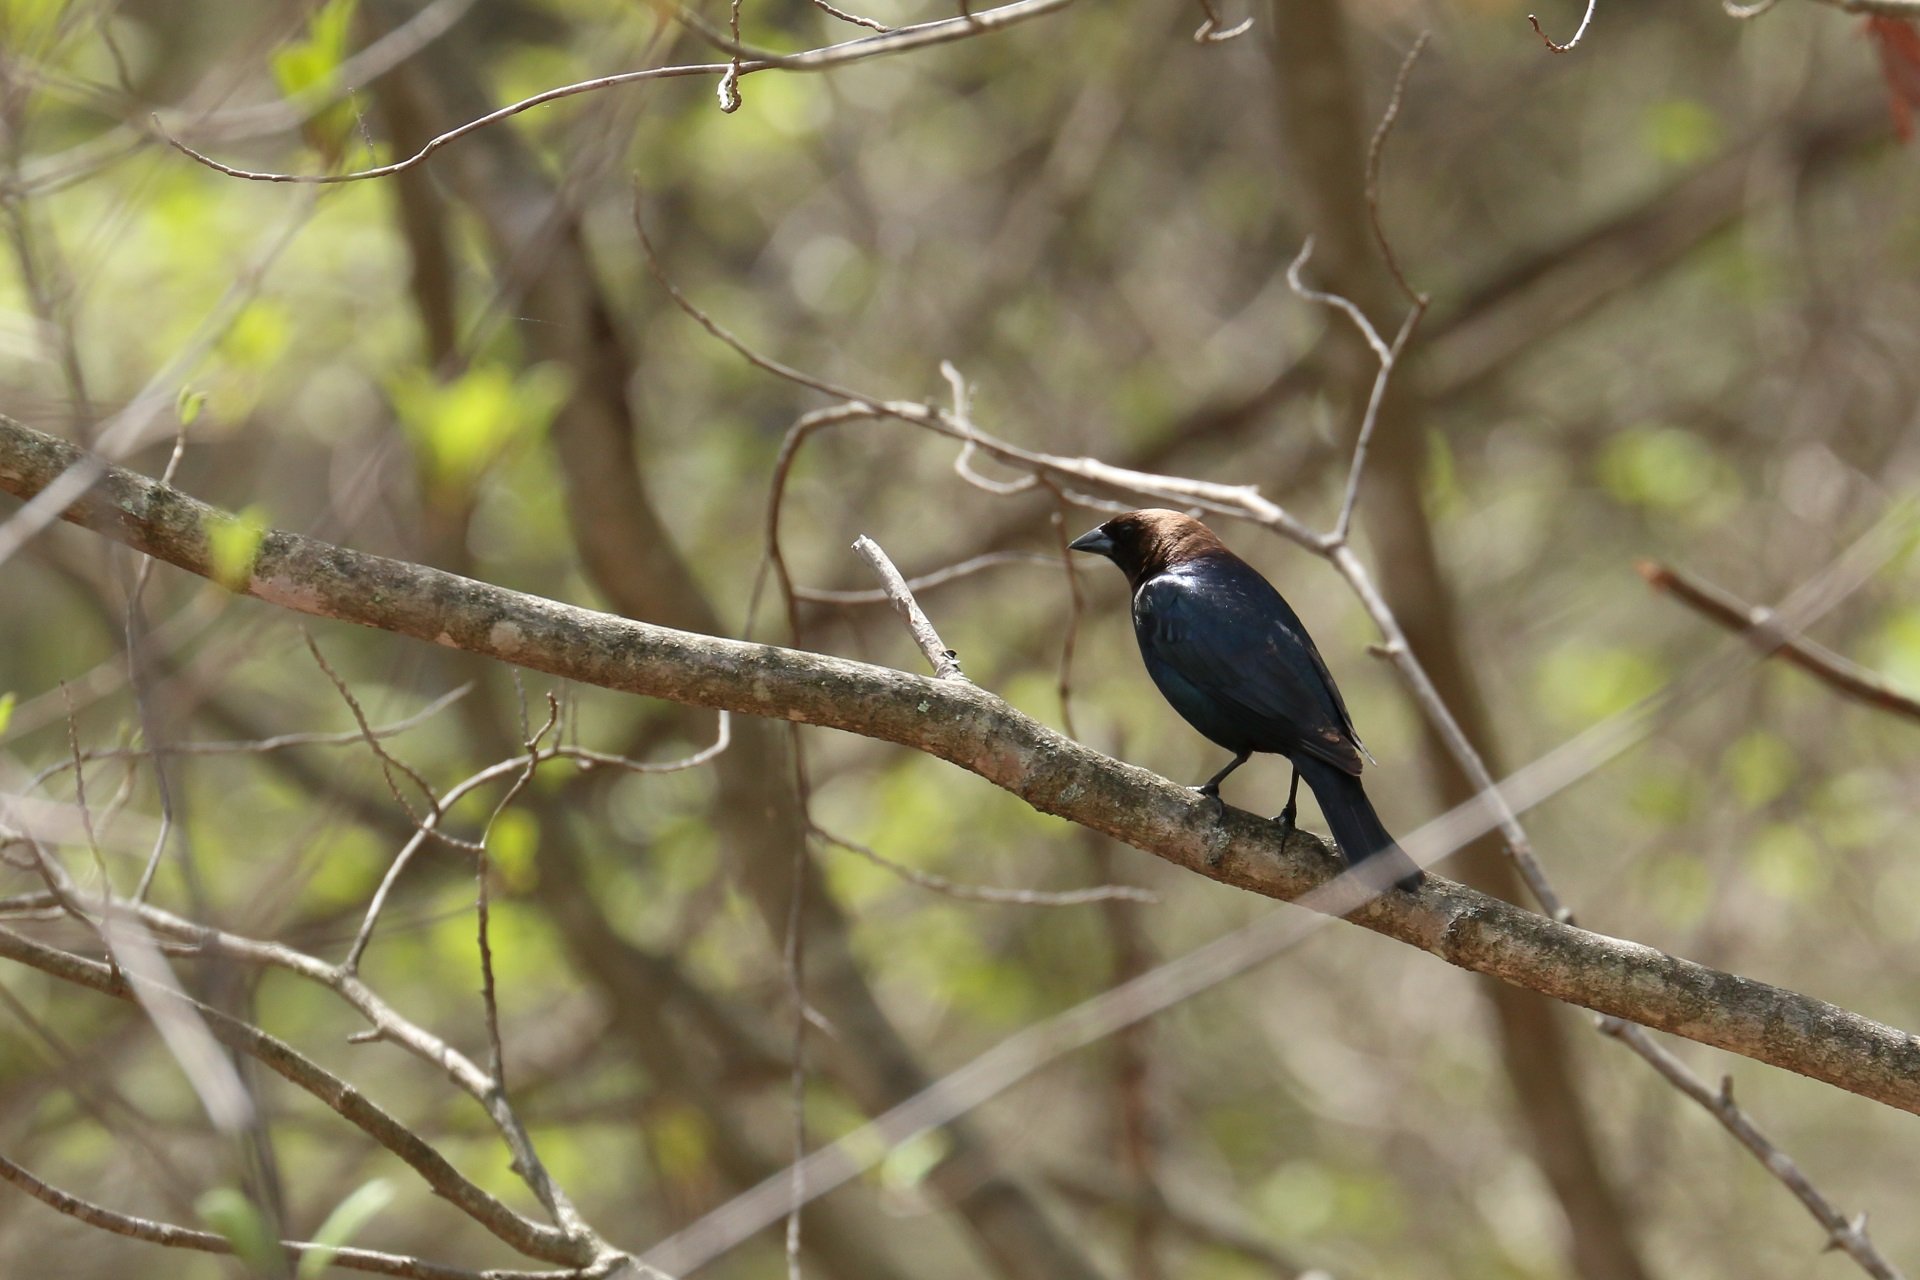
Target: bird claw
(1286, 820)
(1212, 795)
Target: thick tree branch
(974, 729)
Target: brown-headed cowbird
(1234, 660)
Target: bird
(1233, 658)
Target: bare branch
(944, 661)
(1376, 150)
(423, 829)
(927, 581)
(1211, 32)
(1909, 9)
(165, 1233)
(986, 893)
(1763, 628)
(1577, 35)
(1849, 1237)
(1389, 357)
(963, 724)
(389, 763)
(531, 1238)
(900, 40)
(723, 738)
(992, 1073)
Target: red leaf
(1898, 41)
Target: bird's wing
(1254, 658)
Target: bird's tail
(1356, 828)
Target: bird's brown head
(1144, 543)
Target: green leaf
(233, 544)
(310, 69)
(1680, 887)
(1681, 131)
(27, 27)
(1761, 766)
(348, 1219)
(6, 709)
(189, 404)
(239, 1221)
(460, 428)
(1786, 862)
(1659, 467)
(1895, 650)
(1581, 682)
(512, 842)
(680, 1143)
(314, 63)
(908, 1164)
(258, 336)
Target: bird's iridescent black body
(1233, 658)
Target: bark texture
(968, 726)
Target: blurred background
(1675, 282)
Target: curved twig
(899, 40)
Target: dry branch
(534, 1239)
(166, 1233)
(974, 729)
(944, 661)
(745, 61)
(1765, 630)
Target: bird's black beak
(1094, 541)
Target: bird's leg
(1211, 787)
(1287, 815)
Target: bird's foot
(1211, 794)
(1285, 818)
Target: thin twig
(395, 1029)
(1376, 150)
(936, 578)
(80, 802)
(1577, 35)
(1210, 31)
(1069, 634)
(165, 1233)
(899, 40)
(1389, 358)
(870, 24)
(729, 88)
(944, 661)
(794, 962)
(987, 893)
(278, 742)
(422, 831)
(137, 658)
(531, 1238)
(723, 737)
(1848, 1236)
(496, 1052)
(963, 463)
(1763, 628)
(714, 327)
(389, 763)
